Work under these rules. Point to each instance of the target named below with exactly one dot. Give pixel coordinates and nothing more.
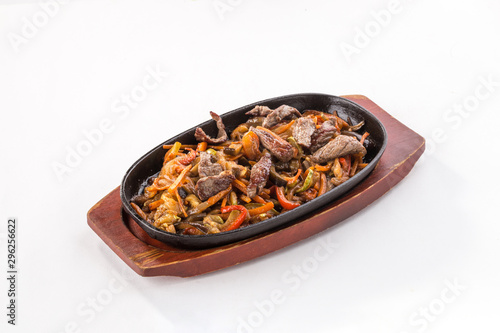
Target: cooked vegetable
(262, 209)
(307, 182)
(250, 143)
(276, 178)
(273, 162)
(234, 222)
(284, 202)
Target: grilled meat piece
(208, 165)
(259, 111)
(279, 114)
(303, 129)
(322, 135)
(200, 135)
(342, 145)
(275, 144)
(207, 187)
(259, 175)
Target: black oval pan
(151, 163)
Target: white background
(392, 261)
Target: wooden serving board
(149, 257)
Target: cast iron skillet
(151, 163)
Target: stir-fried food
(274, 162)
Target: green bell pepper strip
(307, 182)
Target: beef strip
(342, 145)
(322, 135)
(302, 130)
(208, 166)
(259, 175)
(259, 111)
(279, 114)
(275, 144)
(200, 135)
(207, 187)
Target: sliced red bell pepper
(239, 220)
(289, 205)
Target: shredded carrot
(195, 146)
(364, 137)
(259, 199)
(155, 204)
(224, 202)
(179, 199)
(362, 165)
(240, 185)
(264, 195)
(337, 127)
(179, 180)
(262, 209)
(354, 167)
(283, 128)
(212, 200)
(139, 211)
(202, 146)
(182, 146)
(245, 198)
